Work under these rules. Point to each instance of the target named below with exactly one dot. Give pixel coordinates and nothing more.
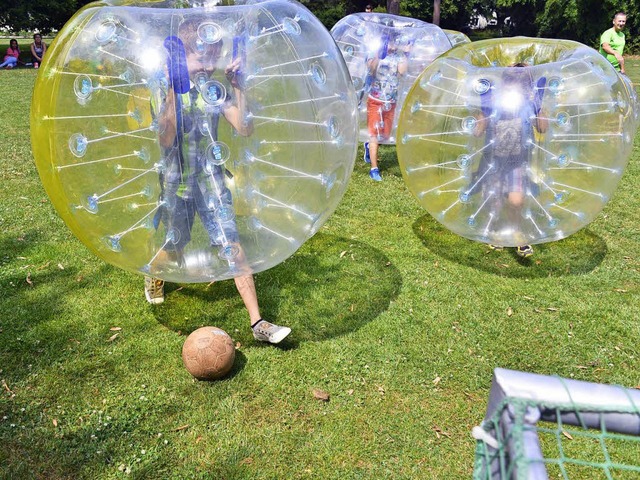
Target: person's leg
(516, 201)
(374, 122)
(247, 290)
(262, 330)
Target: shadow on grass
(332, 286)
(576, 255)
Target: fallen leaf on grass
(552, 309)
(183, 427)
(567, 434)
(509, 311)
(620, 290)
(436, 380)
(113, 337)
(342, 254)
(115, 329)
(320, 395)
(42, 267)
(199, 439)
(55, 422)
(439, 432)
(60, 266)
(29, 280)
(381, 389)
(246, 461)
(6, 387)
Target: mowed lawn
(398, 320)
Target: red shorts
(380, 118)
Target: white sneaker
(154, 290)
(269, 332)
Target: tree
(436, 12)
(393, 7)
(41, 15)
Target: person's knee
(516, 199)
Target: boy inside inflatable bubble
(188, 109)
(510, 126)
(385, 64)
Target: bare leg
(247, 290)
(373, 151)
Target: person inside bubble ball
(387, 61)
(510, 122)
(187, 118)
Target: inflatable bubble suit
(456, 37)
(516, 141)
(385, 54)
(195, 143)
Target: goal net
(539, 427)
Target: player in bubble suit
(509, 126)
(384, 67)
(188, 115)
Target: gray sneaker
(154, 290)
(269, 332)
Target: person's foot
(154, 290)
(269, 332)
(374, 173)
(367, 158)
(496, 248)
(524, 251)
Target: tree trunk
(436, 12)
(393, 7)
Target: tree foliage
(581, 20)
(41, 15)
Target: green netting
(564, 450)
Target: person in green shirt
(612, 42)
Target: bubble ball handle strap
(537, 100)
(384, 48)
(177, 64)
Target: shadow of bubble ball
(517, 141)
(194, 144)
(385, 54)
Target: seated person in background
(38, 49)
(11, 58)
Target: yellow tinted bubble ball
(195, 143)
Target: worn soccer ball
(208, 353)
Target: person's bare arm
(235, 113)
(167, 121)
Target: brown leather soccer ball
(208, 353)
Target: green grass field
(400, 321)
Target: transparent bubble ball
(196, 143)
(518, 140)
(391, 40)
